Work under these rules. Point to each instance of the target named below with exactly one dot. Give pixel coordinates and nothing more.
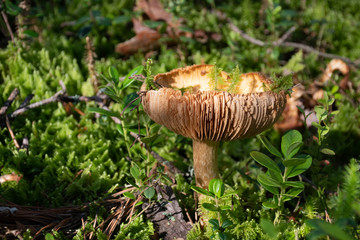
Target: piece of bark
(166, 215)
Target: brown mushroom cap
(207, 115)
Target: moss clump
(283, 83)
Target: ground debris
(167, 216)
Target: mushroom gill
(208, 117)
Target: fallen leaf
(333, 65)
(154, 10)
(290, 118)
(144, 40)
(10, 177)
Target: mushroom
(207, 116)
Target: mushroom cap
(207, 115)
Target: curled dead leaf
(144, 40)
(290, 117)
(10, 177)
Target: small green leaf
(269, 146)
(224, 208)
(296, 170)
(293, 149)
(214, 223)
(275, 175)
(121, 19)
(217, 187)
(327, 151)
(128, 99)
(301, 110)
(293, 162)
(294, 184)
(102, 111)
(103, 21)
(317, 125)
(325, 130)
(210, 207)
(12, 8)
(49, 236)
(128, 80)
(331, 101)
(294, 192)
(223, 236)
(149, 192)
(139, 203)
(85, 30)
(273, 190)
(269, 228)
(167, 179)
(226, 223)
(131, 182)
(31, 33)
(289, 138)
(202, 191)
(135, 171)
(326, 228)
(333, 113)
(321, 113)
(113, 73)
(267, 180)
(150, 138)
(270, 205)
(129, 195)
(120, 129)
(265, 161)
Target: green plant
(345, 208)
(216, 192)
(324, 116)
(290, 164)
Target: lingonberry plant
(288, 164)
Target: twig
(162, 161)
(26, 101)
(54, 98)
(309, 49)
(11, 133)
(285, 36)
(90, 60)
(81, 98)
(8, 102)
(314, 186)
(245, 36)
(282, 43)
(8, 26)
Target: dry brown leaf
(10, 177)
(145, 40)
(155, 10)
(333, 65)
(340, 65)
(290, 118)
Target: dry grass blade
(64, 219)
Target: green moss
(137, 229)
(283, 83)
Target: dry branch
(54, 98)
(8, 25)
(282, 43)
(8, 102)
(11, 133)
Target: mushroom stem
(205, 162)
